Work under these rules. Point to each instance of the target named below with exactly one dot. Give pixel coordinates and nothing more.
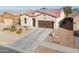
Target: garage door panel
(45, 24)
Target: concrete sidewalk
(59, 47)
(7, 50)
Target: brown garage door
(45, 24)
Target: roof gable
(51, 12)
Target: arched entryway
(67, 23)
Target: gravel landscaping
(12, 33)
(63, 37)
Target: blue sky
(27, 7)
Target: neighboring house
(45, 18)
(75, 17)
(6, 19)
(12, 17)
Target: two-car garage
(46, 24)
(43, 24)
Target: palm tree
(67, 10)
(75, 10)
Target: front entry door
(33, 21)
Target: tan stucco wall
(1, 19)
(16, 20)
(60, 18)
(76, 24)
(29, 20)
(76, 28)
(8, 22)
(7, 19)
(45, 18)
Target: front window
(25, 20)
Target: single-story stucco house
(11, 17)
(48, 18)
(45, 18)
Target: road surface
(7, 50)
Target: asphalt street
(7, 50)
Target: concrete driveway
(29, 41)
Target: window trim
(25, 20)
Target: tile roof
(17, 12)
(52, 12)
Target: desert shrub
(6, 29)
(19, 31)
(13, 29)
(25, 26)
(29, 27)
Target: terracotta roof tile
(17, 12)
(52, 12)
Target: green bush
(13, 29)
(19, 31)
(6, 29)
